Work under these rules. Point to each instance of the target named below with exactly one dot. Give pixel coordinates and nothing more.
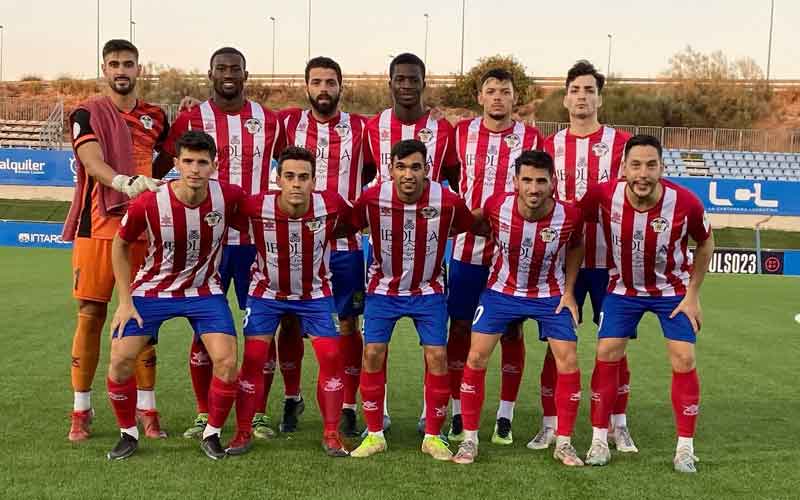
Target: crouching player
(292, 231)
(186, 221)
(536, 239)
(410, 218)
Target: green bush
(464, 93)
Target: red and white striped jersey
(582, 162)
(487, 168)
(292, 260)
(529, 256)
(337, 145)
(409, 239)
(184, 242)
(246, 143)
(385, 130)
(649, 249)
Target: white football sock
(471, 436)
(551, 422)
(506, 410)
(210, 429)
(563, 439)
(386, 400)
(82, 401)
(600, 434)
(619, 420)
(145, 400)
(347, 406)
(688, 442)
(456, 407)
(131, 431)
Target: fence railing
(724, 139)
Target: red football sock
(624, 389)
(373, 389)
(513, 363)
(251, 383)
(437, 394)
(548, 380)
(220, 401)
(290, 359)
(330, 388)
(685, 401)
(568, 398)
(269, 375)
(352, 347)
(201, 371)
(457, 352)
(123, 401)
(605, 379)
(472, 393)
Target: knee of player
(682, 361)
(477, 360)
(567, 362)
(610, 349)
(93, 308)
(225, 367)
(347, 326)
(120, 367)
(436, 358)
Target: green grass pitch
(747, 439)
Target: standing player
(247, 137)
(647, 221)
(336, 139)
(585, 154)
(487, 147)
(113, 139)
(292, 230)
(538, 250)
(185, 221)
(408, 119)
(410, 218)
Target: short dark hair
(407, 148)
(196, 140)
(582, 68)
(227, 50)
(406, 58)
(119, 45)
(297, 153)
(644, 140)
(498, 74)
(324, 62)
(538, 159)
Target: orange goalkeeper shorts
(92, 274)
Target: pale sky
(55, 37)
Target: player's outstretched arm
(91, 157)
(573, 260)
(120, 262)
(690, 305)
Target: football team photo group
(328, 227)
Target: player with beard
(336, 139)
(585, 154)
(487, 147)
(113, 138)
(408, 119)
(248, 136)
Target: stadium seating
(732, 164)
(21, 133)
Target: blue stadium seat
(718, 156)
(772, 178)
(751, 163)
(759, 157)
(724, 170)
(708, 156)
(714, 170)
(770, 157)
(676, 154)
(794, 165)
(750, 177)
(782, 178)
(746, 171)
(733, 171)
(738, 156)
(757, 171)
(749, 156)
(790, 158)
(668, 161)
(780, 158)
(728, 156)
(768, 172)
(730, 163)
(741, 163)
(783, 164)
(763, 164)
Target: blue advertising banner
(36, 167)
(739, 196)
(32, 234)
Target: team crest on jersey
(600, 149)
(425, 135)
(429, 212)
(638, 235)
(294, 237)
(147, 122)
(213, 218)
(659, 224)
(512, 141)
(548, 234)
(315, 225)
(253, 125)
(342, 129)
(166, 221)
(194, 234)
(385, 134)
(528, 242)
(409, 224)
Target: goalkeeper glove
(133, 185)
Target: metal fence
(716, 139)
